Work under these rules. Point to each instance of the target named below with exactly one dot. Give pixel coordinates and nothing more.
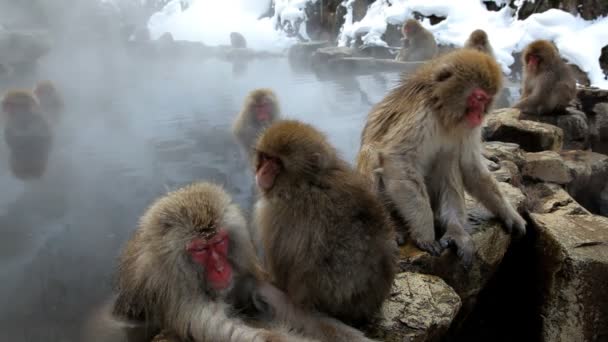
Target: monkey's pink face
(533, 61)
(477, 103)
(268, 169)
(212, 255)
(263, 111)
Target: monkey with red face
(421, 148)
(190, 269)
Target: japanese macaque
(50, 101)
(261, 108)
(421, 148)
(419, 44)
(237, 40)
(327, 240)
(27, 134)
(548, 83)
(478, 40)
(190, 269)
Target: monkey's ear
(443, 73)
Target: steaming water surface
(136, 127)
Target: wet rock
(303, 51)
(326, 54)
(590, 96)
(589, 171)
(573, 123)
(497, 151)
(392, 36)
(505, 125)
(366, 65)
(546, 166)
(491, 243)
(572, 252)
(376, 51)
(421, 308)
(546, 198)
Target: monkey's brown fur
(27, 134)
(421, 43)
(246, 128)
(419, 153)
(479, 40)
(328, 241)
(50, 100)
(550, 86)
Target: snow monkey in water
(27, 134)
(261, 108)
(478, 40)
(190, 268)
(51, 102)
(548, 84)
(420, 42)
(421, 147)
(327, 240)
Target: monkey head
(289, 152)
(263, 105)
(196, 230)
(16, 102)
(48, 96)
(411, 27)
(539, 54)
(166, 37)
(463, 86)
(479, 38)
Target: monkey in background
(237, 40)
(478, 40)
(190, 268)
(420, 42)
(260, 109)
(548, 83)
(327, 240)
(50, 101)
(27, 134)
(421, 148)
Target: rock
(304, 51)
(421, 308)
(376, 51)
(497, 151)
(545, 198)
(546, 166)
(573, 123)
(572, 258)
(504, 125)
(392, 36)
(580, 76)
(365, 65)
(590, 96)
(491, 243)
(326, 54)
(601, 111)
(508, 172)
(589, 171)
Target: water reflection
(132, 130)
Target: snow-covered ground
(211, 21)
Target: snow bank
(579, 41)
(211, 21)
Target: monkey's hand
(457, 237)
(514, 223)
(431, 246)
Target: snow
(211, 21)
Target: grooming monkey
(27, 134)
(548, 83)
(237, 40)
(478, 40)
(190, 268)
(50, 101)
(421, 147)
(327, 240)
(261, 108)
(420, 42)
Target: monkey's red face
(263, 111)
(533, 61)
(268, 169)
(477, 103)
(212, 255)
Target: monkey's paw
(515, 224)
(432, 247)
(465, 249)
